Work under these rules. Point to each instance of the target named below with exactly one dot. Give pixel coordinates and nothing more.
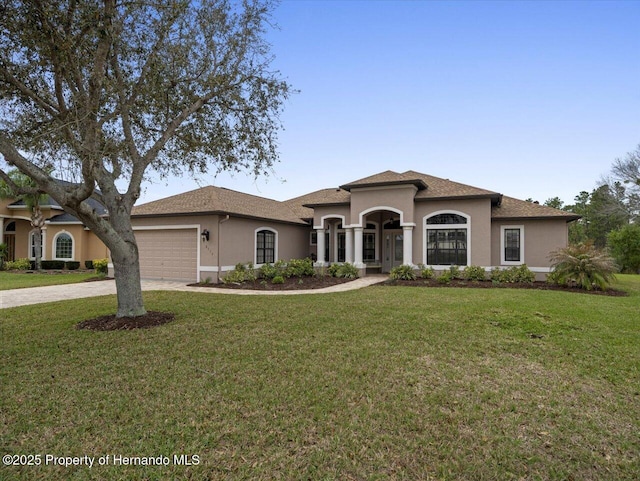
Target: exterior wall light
(205, 235)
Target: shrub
(72, 265)
(50, 265)
(455, 272)
(582, 265)
(19, 265)
(277, 280)
(345, 270)
(404, 273)
(513, 274)
(426, 272)
(300, 268)
(88, 264)
(241, 273)
(101, 266)
(474, 273)
(445, 277)
(268, 271)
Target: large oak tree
(106, 92)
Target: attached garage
(168, 252)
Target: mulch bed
(543, 286)
(113, 323)
(290, 284)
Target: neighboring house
(63, 236)
(377, 223)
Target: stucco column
(1, 229)
(320, 261)
(348, 233)
(357, 260)
(407, 245)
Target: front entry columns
(407, 245)
(320, 247)
(348, 233)
(357, 259)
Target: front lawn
(19, 280)
(382, 383)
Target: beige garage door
(168, 254)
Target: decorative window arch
(447, 238)
(63, 246)
(266, 245)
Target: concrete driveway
(38, 295)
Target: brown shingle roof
(219, 200)
(322, 197)
(387, 177)
(511, 208)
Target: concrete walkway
(38, 295)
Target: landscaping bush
(404, 273)
(88, 264)
(277, 280)
(515, 274)
(101, 266)
(300, 268)
(19, 265)
(474, 273)
(455, 272)
(445, 277)
(241, 273)
(583, 266)
(427, 272)
(345, 270)
(72, 265)
(268, 271)
(52, 265)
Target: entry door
(393, 250)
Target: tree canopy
(104, 92)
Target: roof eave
(420, 184)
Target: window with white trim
(265, 246)
(512, 244)
(63, 246)
(447, 239)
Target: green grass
(19, 280)
(381, 383)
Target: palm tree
(583, 266)
(19, 186)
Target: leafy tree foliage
(624, 246)
(104, 92)
(602, 211)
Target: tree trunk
(124, 253)
(126, 267)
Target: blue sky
(530, 99)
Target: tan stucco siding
(399, 199)
(330, 213)
(479, 211)
(238, 240)
(540, 237)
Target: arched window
(265, 246)
(63, 246)
(447, 235)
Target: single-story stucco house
(376, 223)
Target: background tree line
(610, 213)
